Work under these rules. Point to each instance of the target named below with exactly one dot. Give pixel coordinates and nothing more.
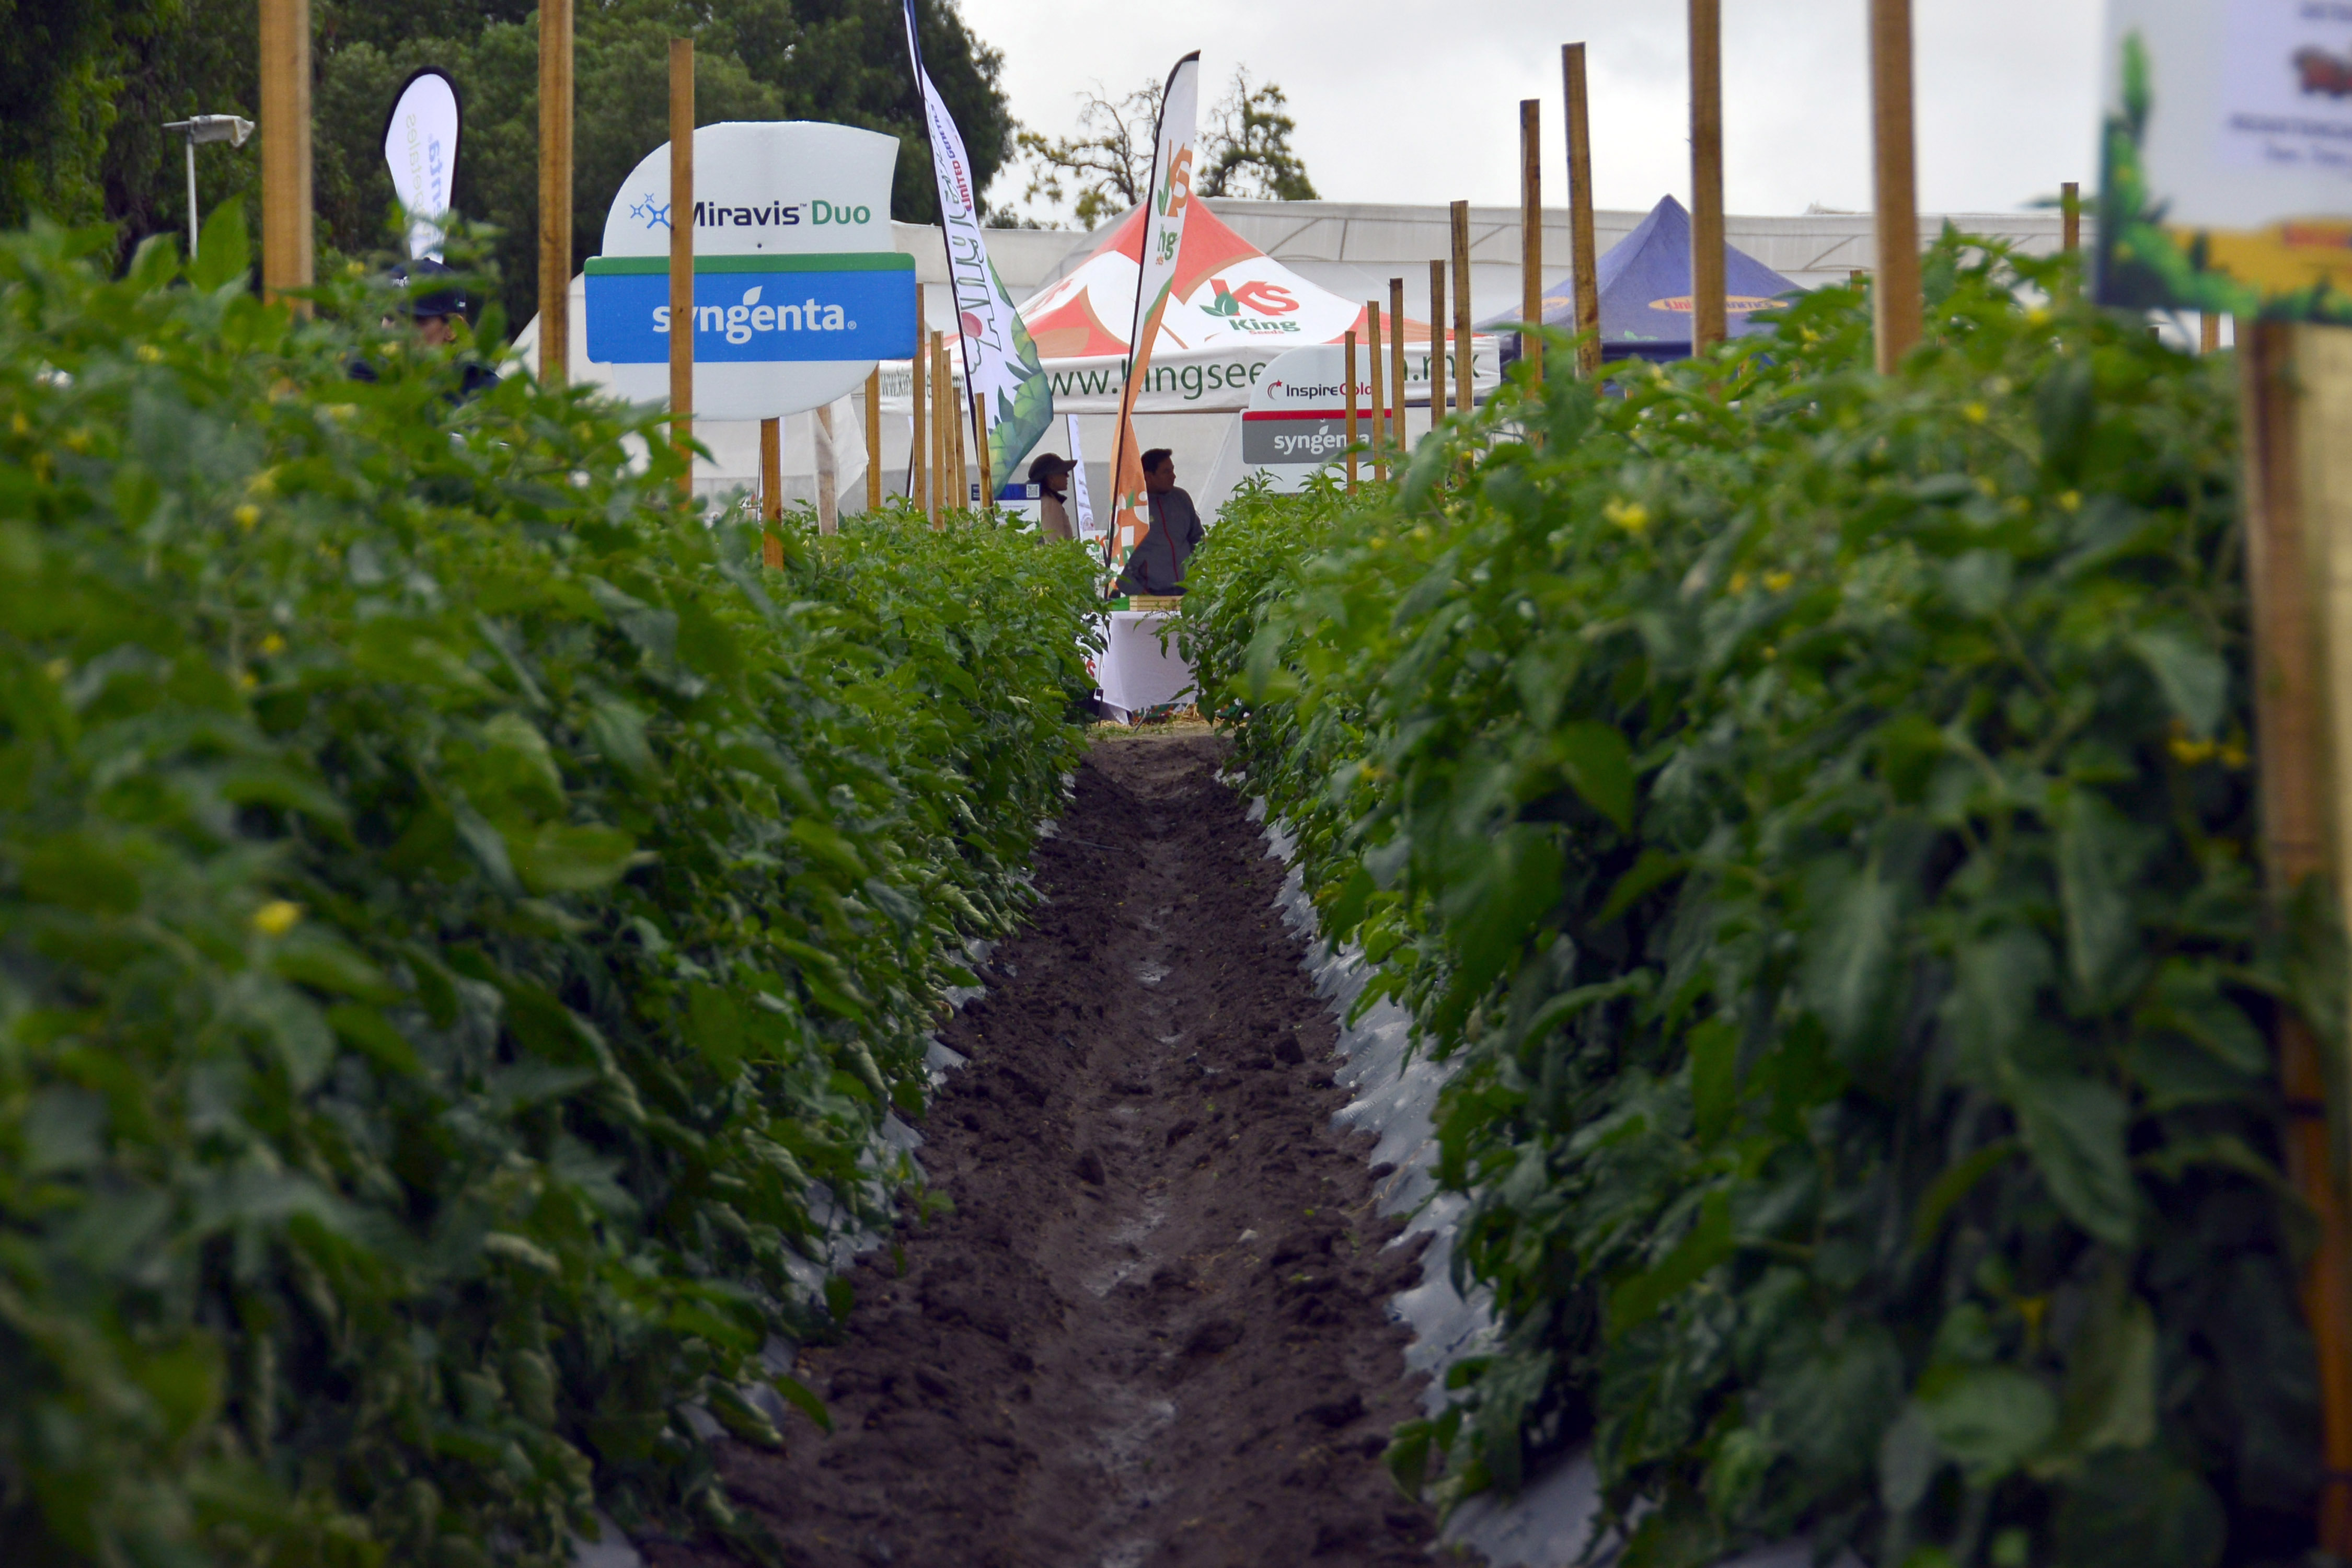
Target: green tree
(1101, 172)
(103, 77)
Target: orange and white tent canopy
(1232, 310)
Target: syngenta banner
(420, 145)
(1166, 202)
(797, 288)
(1296, 421)
(1000, 362)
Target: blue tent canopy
(1645, 290)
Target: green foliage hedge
(1814, 810)
(462, 923)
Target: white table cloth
(1134, 672)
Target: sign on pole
(1080, 501)
(1000, 361)
(2226, 181)
(420, 143)
(1297, 422)
(1166, 201)
(798, 293)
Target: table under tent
(1644, 283)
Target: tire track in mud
(1152, 1332)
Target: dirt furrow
(1151, 1330)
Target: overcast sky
(1417, 101)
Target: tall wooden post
(772, 490)
(1580, 213)
(681, 257)
(2298, 488)
(1378, 379)
(828, 492)
(874, 440)
(1351, 410)
(1437, 343)
(2209, 332)
(952, 421)
(2069, 216)
(555, 102)
(1531, 234)
(919, 443)
(980, 452)
(1397, 433)
(286, 256)
(940, 422)
(1895, 297)
(1709, 323)
(1465, 393)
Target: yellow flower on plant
(2070, 501)
(149, 354)
(1977, 413)
(1739, 582)
(2190, 751)
(57, 669)
(1630, 515)
(277, 917)
(273, 645)
(1779, 582)
(247, 515)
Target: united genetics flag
(1168, 199)
(999, 361)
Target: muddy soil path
(1152, 1332)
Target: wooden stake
(1709, 324)
(1351, 411)
(1437, 343)
(287, 255)
(681, 257)
(828, 490)
(772, 490)
(980, 450)
(1531, 235)
(2209, 333)
(2298, 488)
(874, 440)
(1378, 379)
(554, 191)
(940, 425)
(1397, 433)
(1895, 298)
(2069, 216)
(919, 449)
(1580, 214)
(1465, 397)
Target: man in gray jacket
(1157, 566)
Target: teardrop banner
(798, 289)
(420, 145)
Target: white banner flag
(1085, 508)
(999, 360)
(420, 142)
(1166, 201)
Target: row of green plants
(1813, 811)
(463, 924)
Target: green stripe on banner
(838, 261)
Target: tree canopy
(1243, 150)
(101, 76)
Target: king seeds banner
(1169, 198)
(999, 361)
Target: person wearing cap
(433, 311)
(1050, 473)
(1157, 565)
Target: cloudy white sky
(1417, 101)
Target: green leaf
(2194, 681)
(556, 857)
(1650, 871)
(1714, 1063)
(2110, 1399)
(1991, 1419)
(830, 848)
(2073, 1128)
(2096, 861)
(1708, 1243)
(2138, 1510)
(1600, 765)
(1954, 1183)
(1850, 954)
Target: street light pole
(225, 127)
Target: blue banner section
(758, 314)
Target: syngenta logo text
(740, 321)
(1308, 443)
